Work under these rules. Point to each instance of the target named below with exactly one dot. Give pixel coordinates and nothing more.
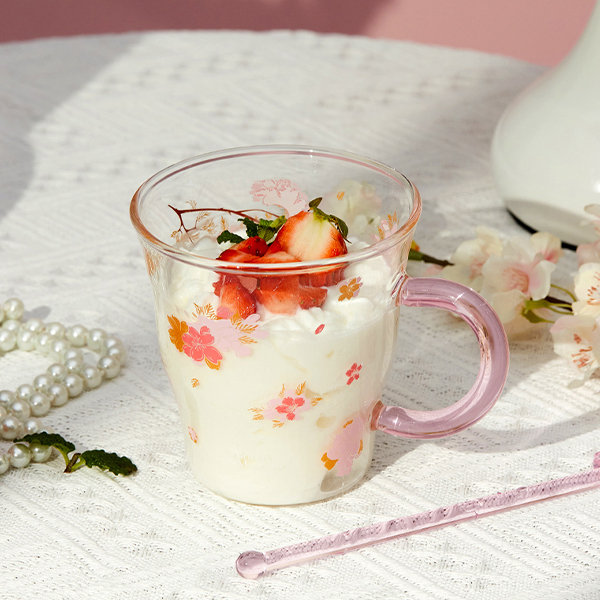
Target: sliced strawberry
(235, 297)
(253, 245)
(245, 251)
(311, 236)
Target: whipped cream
(276, 408)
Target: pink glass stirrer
(253, 564)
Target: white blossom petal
(587, 290)
(577, 338)
(587, 253)
(547, 245)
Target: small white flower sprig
(515, 276)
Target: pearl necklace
(64, 379)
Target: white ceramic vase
(546, 147)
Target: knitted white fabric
(83, 121)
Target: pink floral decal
(353, 373)
(287, 406)
(346, 446)
(280, 192)
(349, 289)
(213, 333)
(193, 435)
(388, 226)
(320, 328)
(198, 344)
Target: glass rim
(191, 258)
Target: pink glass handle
(464, 302)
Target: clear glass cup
(280, 407)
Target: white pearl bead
(92, 377)
(24, 392)
(4, 463)
(57, 372)
(13, 308)
(74, 365)
(26, 340)
(58, 349)
(11, 325)
(1, 314)
(77, 335)
(8, 340)
(56, 330)
(74, 384)
(34, 325)
(6, 397)
(20, 409)
(109, 367)
(32, 425)
(40, 404)
(118, 354)
(11, 428)
(59, 394)
(42, 382)
(96, 339)
(19, 456)
(43, 342)
(40, 453)
(3, 412)
(73, 353)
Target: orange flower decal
(176, 332)
(328, 462)
(350, 289)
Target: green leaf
(251, 227)
(55, 440)
(227, 236)
(268, 228)
(107, 461)
(338, 223)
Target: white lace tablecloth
(83, 121)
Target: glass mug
(279, 405)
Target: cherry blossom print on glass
(213, 333)
(287, 406)
(280, 192)
(349, 288)
(346, 446)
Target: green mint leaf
(55, 440)
(251, 227)
(227, 236)
(268, 228)
(315, 203)
(107, 461)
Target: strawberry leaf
(338, 223)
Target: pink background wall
(539, 31)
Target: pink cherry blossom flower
(353, 373)
(236, 336)
(346, 446)
(587, 290)
(280, 192)
(289, 404)
(577, 338)
(470, 256)
(587, 253)
(198, 344)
